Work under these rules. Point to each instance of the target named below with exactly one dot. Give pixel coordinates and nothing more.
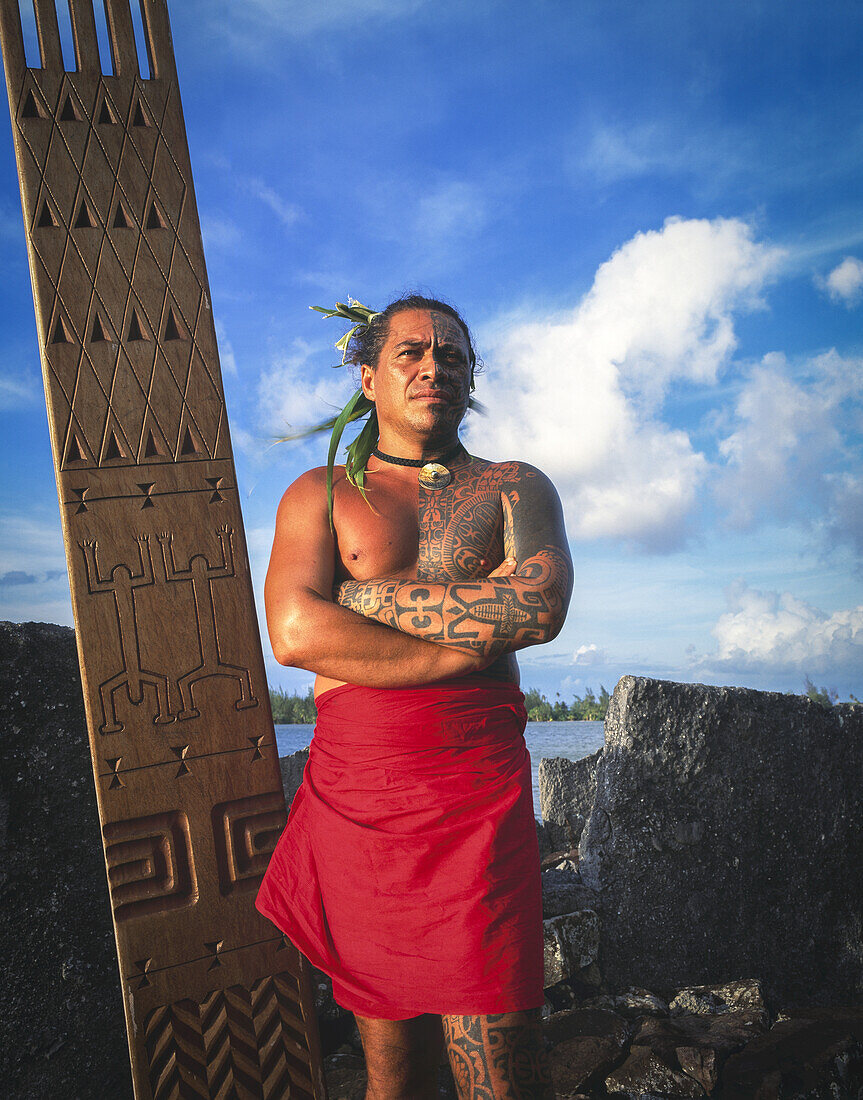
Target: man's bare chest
(408, 531)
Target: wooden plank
(12, 41)
(49, 34)
(181, 736)
(122, 36)
(161, 49)
(84, 36)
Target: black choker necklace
(432, 473)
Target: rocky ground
(722, 1042)
(790, 913)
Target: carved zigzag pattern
(231, 1046)
(238, 1044)
(178, 1069)
(285, 1063)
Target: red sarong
(409, 868)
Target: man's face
(422, 381)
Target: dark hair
(367, 342)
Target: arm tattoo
(499, 1057)
(488, 615)
(491, 509)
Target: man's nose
(432, 368)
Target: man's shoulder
(510, 471)
(309, 490)
(315, 480)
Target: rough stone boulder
(585, 1046)
(292, 773)
(724, 839)
(705, 1000)
(814, 1056)
(566, 793)
(563, 891)
(62, 1032)
(570, 944)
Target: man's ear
(367, 381)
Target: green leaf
(359, 452)
(358, 406)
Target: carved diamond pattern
(138, 362)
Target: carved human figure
(200, 574)
(121, 583)
(410, 612)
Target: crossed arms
(487, 616)
(396, 632)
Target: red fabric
(409, 867)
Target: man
(409, 868)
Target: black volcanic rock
(62, 1032)
(724, 840)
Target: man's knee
(402, 1057)
(499, 1055)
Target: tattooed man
(409, 868)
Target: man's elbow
(553, 628)
(288, 638)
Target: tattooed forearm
(499, 1057)
(492, 616)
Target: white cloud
(287, 212)
(589, 655)
(441, 218)
(776, 454)
(220, 233)
(255, 23)
(16, 390)
(226, 350)
(455, 206)
(580, 396)
(33, 579)
(845, 521)
(845, 282)
(615, 152)
(293, 395)
(786, 457)
(779, 632)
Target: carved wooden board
(217, 1003)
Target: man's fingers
(506, 568)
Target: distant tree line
(826, 696)
(289, 709)
(587, 708)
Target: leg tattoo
(499, 1057)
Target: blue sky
(652, 217)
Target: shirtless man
(421, 586)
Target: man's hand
(506, 568)
(513, 607)
(498, 614)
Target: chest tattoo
(462, 525)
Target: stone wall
(725, 841)
(567, 789)
(62, 1032)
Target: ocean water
(571, 740)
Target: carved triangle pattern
(128, 262)
(157, 562)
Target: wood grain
(184, 753)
